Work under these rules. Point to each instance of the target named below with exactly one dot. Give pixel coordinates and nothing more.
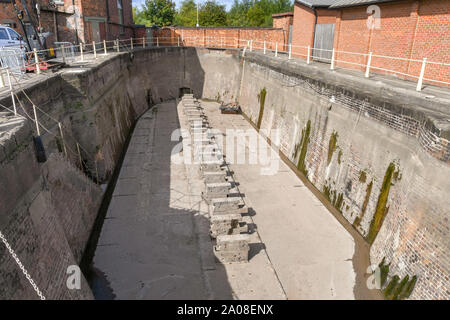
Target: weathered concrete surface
(345, 134)
(154, 244)
(47, 216)
(256, 279)
(311, 262)
(147, 248)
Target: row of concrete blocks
(227, 225)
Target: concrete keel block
(232, 248)
(211, 165)
(218, 188)
(214, 176)
(225, 204)
(227, 225)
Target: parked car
(10, 38)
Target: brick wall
(283, 21)
(222, 36)
(71, 25)
(409, 29)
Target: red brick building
(284, 21)
(411, 29)
(74, 20)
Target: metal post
(264, 47)
(143, 42)
(63, 54)
(117, 45)
(422, 73)
(36, 120)
(157, 41)
(104, 47)
(12, 93)
(62, 138)
(309, 55)
(332, 60)
(95, 49)
(178, 39)
(2, 82)
(36, 59)
(81, 52)
(276, 49)
(290, 51)
(251, 45)
(369, 61)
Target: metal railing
(419, 70)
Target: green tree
(156, 12)
(187, 15)
(237, 16)
(257, 13)
(212, 14)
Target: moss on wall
(362, 176)
(332, 146)
(336, 199)
(262, 101)
(365, 203)
(301, 165)
(381, 208)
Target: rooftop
(283, 14)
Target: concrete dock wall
(363, 148)
(379, 155)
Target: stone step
(214, 176)
(232, 248)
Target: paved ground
(155, 245)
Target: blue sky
(227, 3)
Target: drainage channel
(95, 278)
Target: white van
(10, 38)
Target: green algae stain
(362, 176)
(262, 100)
(357, 221)
(332, 145)
(339, 156)
(336, 199)
(301, 165)
(381, 208)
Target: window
(120, 9)
(14, 35)
(3, 34)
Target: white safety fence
(418, 70)
(12, 58)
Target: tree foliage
(155, 12)
(243, 13)
(187, 14)
(212, 14)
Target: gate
(13, 58)
(323, 42)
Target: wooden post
(12, 92)
(332, 60)
(95, 49)
(369, 61)
(81, 52)
(36, 59)
(308, 58)
(422, 73)
(36, 121)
